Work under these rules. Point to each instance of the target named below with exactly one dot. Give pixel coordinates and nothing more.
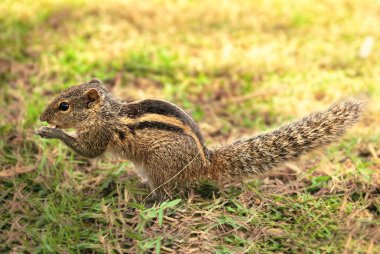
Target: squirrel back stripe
(163, 122)
(154, 125)
(139, 109)
(267, 150)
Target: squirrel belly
(166, 144)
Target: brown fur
(166, 145)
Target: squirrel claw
(46, 132)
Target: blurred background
(238, 67)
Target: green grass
(239, 67)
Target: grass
(238, 67)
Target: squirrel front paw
(47, 132)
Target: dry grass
(238, 67)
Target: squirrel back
(265, 151)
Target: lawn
(239, 68)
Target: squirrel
(166, 145)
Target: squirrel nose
(43, 117)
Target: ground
(239, 67)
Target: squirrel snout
(43, 117)
(46, 115)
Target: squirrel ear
(92, 97)
(95, 81)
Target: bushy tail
(267, 150)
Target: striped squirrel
(166, 145)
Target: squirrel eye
(63, 106)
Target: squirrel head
(76, 106)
